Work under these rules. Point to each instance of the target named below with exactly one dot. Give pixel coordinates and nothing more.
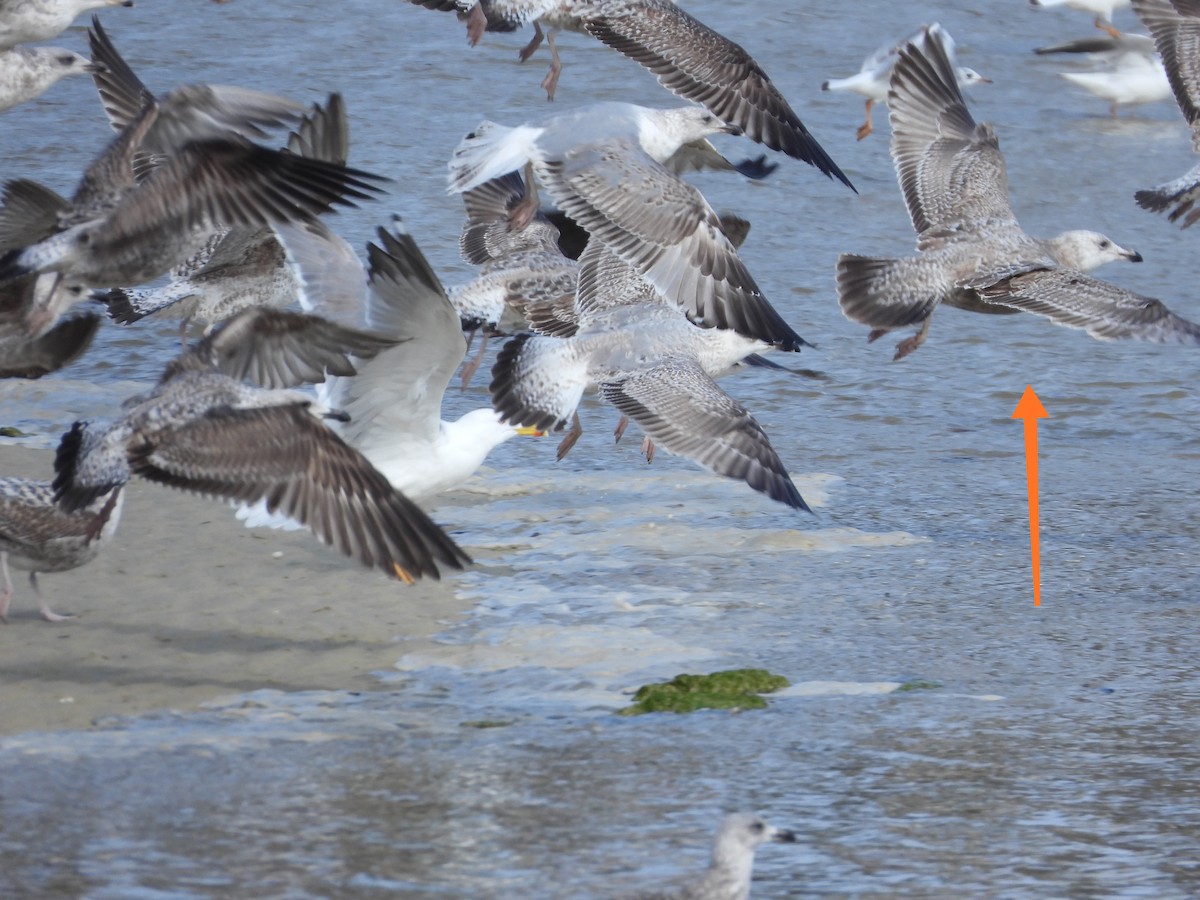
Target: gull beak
(526, 431)
(96, 68)
(784, 837)
(732, 129)
(1132, 256)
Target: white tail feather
(490, 151)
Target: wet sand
(186, 605)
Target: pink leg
(565, 445)
(619, 431)
(550, 82)
(469, 369)
(908, 345)
(528, 49)
(476, 24)
(527, 208)
(6, 594)
(648, 449)
(865, 128)
(47, 613)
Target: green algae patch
(919, 684)
(11, 431)
(731, 689)
(488, 723)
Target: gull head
(663, 131)
(739, 836)
(1086, 250)
(968, 77)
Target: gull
(27, 72)
(395, 400)
(393, 403)
(240, 266)
(25, 353)
(38, 536)
(1101, 9)
(22, 21)
(181, 168)
(875, 75)
(686, 56)
(205, 430)
(650, 362)
(1176, 30)
(955, 183)
(521, 267)
(728, 874)
(1133, 73)
(252, 266)
(603, 166)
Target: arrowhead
(1029, 406)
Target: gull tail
(490, 151)
(877, 291)
(128, 305)
(537, 382)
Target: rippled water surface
(1052, 751)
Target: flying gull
(728, 874)
(521, 270)
(654, 365)
(1176, 30)
(1101, 9)
(394, 402)
(253, 266)
(604, 167)
(22, 21)
(25, 353)
(686, 56)
(954, 181)
(27, 72)
(875, 75)
(181, 166)
(38, 536)
(203, 430)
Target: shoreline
(185, 604)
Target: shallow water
(1056, 754)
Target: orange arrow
(1030, 408)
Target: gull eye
(1105, 244)
(757, 827)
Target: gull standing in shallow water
(686, 56)
(1176, 30)
(728, 874)
(1131, 73)
(875, 76)
(954, 180)
(203, 430)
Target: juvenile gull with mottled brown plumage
(954, 181)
